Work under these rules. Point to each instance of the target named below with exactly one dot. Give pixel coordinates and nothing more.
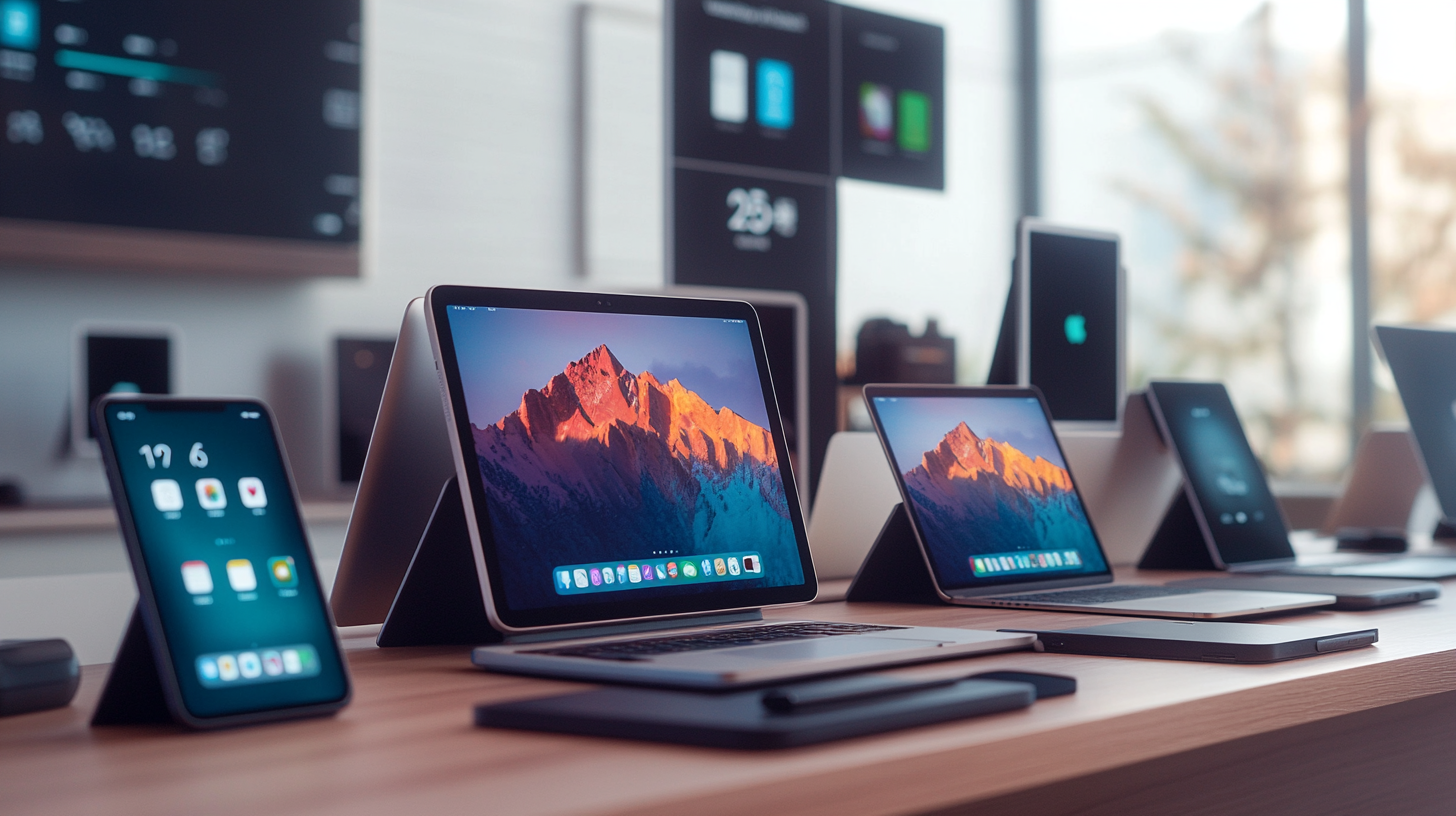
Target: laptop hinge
(631, 627)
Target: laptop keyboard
(1130, 592)
(646, 648)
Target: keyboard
(646, 648)
(1129, 592)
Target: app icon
(733, 565)
(914, 121)
(564, 576)
(249, 666)
(609, 575)
(876, 111)
(621, 573)
(648, 573)
(280, 569)
(196, 577)
(1076, 328)
(167, 495)
(210, 495)
(672, 569)
(752, 564)
(250, 491)
(307, 660)
(272, 663)
(240, 575)
(207, 668)
(775, 94)
(719, 566)
(579, 576)
(227, 667)
(707, 567)
(291, 663)
(20, 24)
(689, 569)
(728, 86)
(634, 573)
(596, 577)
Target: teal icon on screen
(775, 94)
(19, 24)
(1076, 328)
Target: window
(1212, 137)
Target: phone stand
(133, 693)
(439, 601)
(1178, 544)
(894, 571)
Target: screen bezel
(147, 604)
(991, 586)
(1022, 288)
(1195, 500)
(438, 300)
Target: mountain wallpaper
(604, 464)
(977, 496)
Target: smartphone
(228, 591)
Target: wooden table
(1373, 730)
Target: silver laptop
(999, 519)
(623, 469)
(1239, 521)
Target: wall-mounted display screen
(892, 86)
(161, 115)
(751, 83)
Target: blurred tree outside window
(1212, 137)
(1412, 104)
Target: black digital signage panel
(750, 83)
(761, 233)
(168, 119)
(892, 120)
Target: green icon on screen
(914, 121)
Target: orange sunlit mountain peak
(961, 454)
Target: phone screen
(1226, 478)
(225, 554)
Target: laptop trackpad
(824, 648)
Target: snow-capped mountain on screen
(603, 464)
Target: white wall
(466, 174)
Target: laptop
(999, 519)
(623, 470)
(1239, 520)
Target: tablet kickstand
(1178, 544)
(894, 571)
(439, 601)
(133, 693)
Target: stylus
(793, 698)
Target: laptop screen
(623, 458)
(987, 487)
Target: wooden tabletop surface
(406, 744)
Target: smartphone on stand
(227, 588)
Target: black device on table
(229, 597)
(1205, 641)
(997, 518)
(1420, 361)
(1238, 521)
(780, 717)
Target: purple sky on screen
(505, 352)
